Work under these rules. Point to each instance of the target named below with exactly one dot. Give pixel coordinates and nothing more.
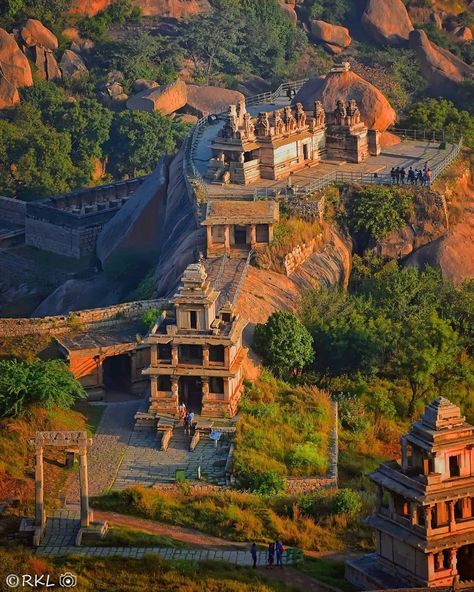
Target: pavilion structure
(424, 517)
(196, 352)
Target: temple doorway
(117, 373)
(306, 151)
(466, 563)
(190, 393)
(240, 235)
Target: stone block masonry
(12, 211)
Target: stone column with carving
(175, 389)
(253, 236)
(227, 239)
(227, 357)
(428, 519)
(84, 486)
(39, 486)
(452, 515)
(205, 355)
(174, 355)
(209, 239)
(454, 561)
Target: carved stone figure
(278, 122)
(289, 119)
(300, 115)
(249, 127)
(340, 113)
(353, 112)
(231, 125)
(319, 114)
(263, 124)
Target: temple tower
(424, 516)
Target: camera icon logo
(68, 580)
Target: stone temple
(196, 352)
(275, 144)
(424, 519)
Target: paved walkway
(145, 464)
(108, 448)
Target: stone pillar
(226, 389)
(175, 388)
(174, 355)
(133, 366)
(39, 488)
(205, 388)
(227, 238)
(84, 486)
(403, 443)
(209, 238)
(205, 355)
(253, 235)
(413, 513)
(153, 388)
(428, 519)
(270, 233)
(154, 355)
(227, 357)
(454, 561)
(431, 566)
(452, 517)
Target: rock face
(35, 33)
(443, 70)
(333, 37)
(166, 99)
(15, 70)
(46, 63)
(141, 84)
(464, 34)
(387, 21)
(165, 8)
(204, 100)
(72, 65)
(375, 109)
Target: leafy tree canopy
(284, 343)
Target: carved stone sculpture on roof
(289, 119)
(231, 126)
(319, 114)
(300, 116)
(353, 112)
(278, 122)
(249, 127)
(263, 124)
(340, 113)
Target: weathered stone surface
(72, 65)
(254, 85)
(387, 21)
(464, 34)
(142, 84)
(13, 63)
(166, 99)
(35, 33)
(442, 69)
(375, 109)
(289, 7)
(334, 37)
(166, 8)
(46, 63)
(204, 100)
(8, 94)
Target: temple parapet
(276, 143)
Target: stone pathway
(108, 448)
(61, 529)
(145, 464)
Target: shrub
(150, 317)
(265, 483)
(308, 456)
(346, 502)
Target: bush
(265, 483)
(150, 317)
(346, 502)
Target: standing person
(253, 552)
(419, 177)
(279, 553)
(424, 181)
(271, 554)
(429, 177)
(182, 411)
(187, 425)
(397, 175)
(392, 175)
(402, 176)
(411, 176)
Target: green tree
(377, 211)
(441, 115)
(428, 355)
(284, 343)
(49, 384)
(138, 140)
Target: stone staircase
(61, 529)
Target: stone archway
(69, 440)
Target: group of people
(187, 417)
(413, 176)
(275, 551)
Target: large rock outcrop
(15, 71)
(375, 109)
(73, 65)
(137, 224)
(177, 9)
(45, 62)
(442, 69)
(334, 38)
(387, 22)
(204, 100)
(34, 33)
(165, 99)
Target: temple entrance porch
(117, 373)
(466, 563)
(190, 393)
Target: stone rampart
(12, 211)
(299, 254)
(84, 318)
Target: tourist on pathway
(253, 552)
(279, 553)
(181, 412)
(429, 176)
(271, 554)
(392, 175)
(402, 176)
(397, 175)
(419, 178)
(411, 176)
